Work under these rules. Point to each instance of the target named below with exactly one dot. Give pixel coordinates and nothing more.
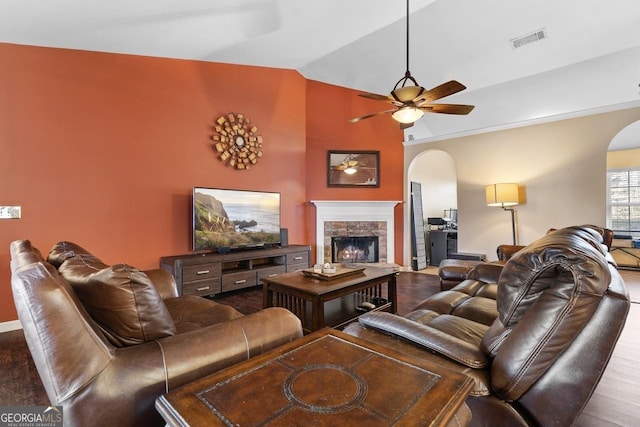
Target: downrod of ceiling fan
(407, 73)
(402, 83)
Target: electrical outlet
(10, 212)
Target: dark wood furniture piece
(442, 244)
(320, 303)
(325, 378)
(213, 273)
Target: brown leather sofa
(560, 306)
(108, 340)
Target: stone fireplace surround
(355, 218)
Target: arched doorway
(623, 163)
(435, 170)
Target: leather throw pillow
(62, 251)
(120, 298)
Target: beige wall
(436, 172)
(623, 159)
(561, 164)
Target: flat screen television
(226, 219)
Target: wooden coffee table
(325, 378)
(319, 303)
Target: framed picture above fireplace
(353, 168)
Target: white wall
(436, 171)
(561, 164)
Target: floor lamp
(504, 195)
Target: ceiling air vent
(529, 38)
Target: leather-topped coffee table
(325, 378)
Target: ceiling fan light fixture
(350, 170)
(407, 115)
(407, 93)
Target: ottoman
(454, 271)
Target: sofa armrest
(197, 353)
(428, 337)
(164, 282)
(124, 389)
(505, 252)
(486, 272)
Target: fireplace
(342, 218)
(355, 249)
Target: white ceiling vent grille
(529, 38)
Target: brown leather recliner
(505, 252)
(561, 306)
(107, 345)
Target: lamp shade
(502, 195)
(407, 114)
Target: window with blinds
(623, 201)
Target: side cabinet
(443, 243)
(213, 273)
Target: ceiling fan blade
(376, 97)
(367, 116)
(445, 89)
(447, 108)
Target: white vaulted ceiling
(588, 62)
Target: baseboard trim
(12, 325)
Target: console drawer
(271, 271)
(200, 272)
(202, 287)
(239, 280)
(298, 258)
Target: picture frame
(353, 168)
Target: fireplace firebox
(355, 249)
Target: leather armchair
(99, 382)
(561, 306)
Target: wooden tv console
(214, 273)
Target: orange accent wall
(104, 149)
(328, 109)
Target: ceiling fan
(348, 165)
(412, 101)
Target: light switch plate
(10, 212)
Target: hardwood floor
(615, 402)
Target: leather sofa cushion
(190, 312)
(120, 298)
(471, 299)
(463, 329)
(62, 251)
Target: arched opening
(623, 195)
(435, 170)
